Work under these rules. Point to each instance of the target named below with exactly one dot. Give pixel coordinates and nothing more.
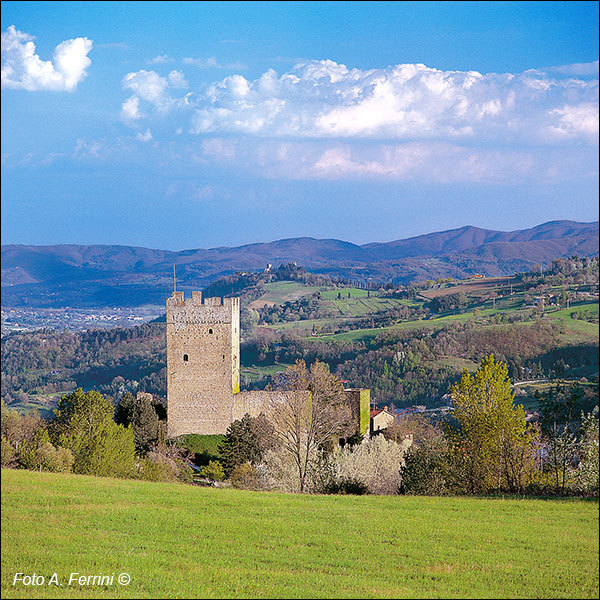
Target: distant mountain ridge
(105, 275)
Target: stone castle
(203, 369)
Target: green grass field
(354, 293)
(578, 327)
(280, 292)
(358, 307)
(177, 541)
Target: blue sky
(199, 124)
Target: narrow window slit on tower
(185, 358)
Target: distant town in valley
(76, 319)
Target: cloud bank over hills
(324, 99)
(165, 131)
(323, 120)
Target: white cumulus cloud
(324, 99)
(23, 69)
(177, 80)
(150, 88)
(145, 137)
(575, 121)
(130, 110)
(161, 59)
(408, 122)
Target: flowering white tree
(586, 475)
(316, 414)
(375, 463)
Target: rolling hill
(101, 275)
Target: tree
(80, 412)
(17, 428)
(447, 302)
(84, 424)
(213, 471)
(375, 463)
(249, 320)
(557, 407)
(306, 423)
(587, 476)
(246, 441)
(425, 470)
(415, 426)
(139, 412)
(491, 443)
(38, 454)
(9, 454)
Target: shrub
(39, 454)
(152, 470)
(165, 463)
(375, 464)
(425, 470)
(346, 486)
(213, 471)
(246, 477)
(280, 472)
(9, 454)
(55, 459)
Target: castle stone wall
(203, 369)
(202, 363)
(255, 402)
(360, 404)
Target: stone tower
(203, 363)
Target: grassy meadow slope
(181, 541)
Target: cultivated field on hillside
(471, 286)
(283, 291)
(182, 541)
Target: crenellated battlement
(195, 310)
(178, 300)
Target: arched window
(210, 331)
(185, 358)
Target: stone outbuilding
(381, 418)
